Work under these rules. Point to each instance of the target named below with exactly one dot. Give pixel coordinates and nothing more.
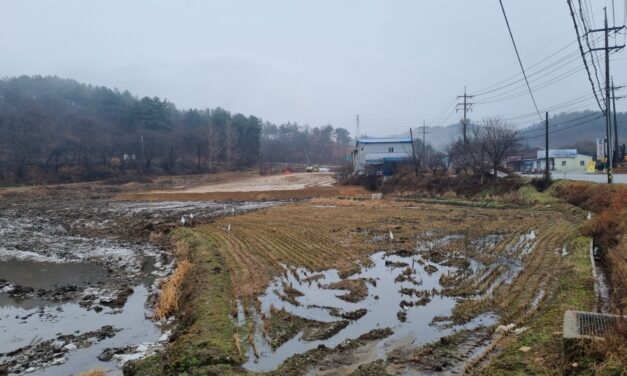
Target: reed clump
(170, 291)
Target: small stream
(602, 285)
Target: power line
(517, 75)
(538, 51)
(587, 35)
(519, 60)
(583, 55)
(559, 62)
(577, 100)
(501, 98)
(564, 128)
(556, 125)
(562, 63)
(446, 111)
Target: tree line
(301, 144)
(56, 130)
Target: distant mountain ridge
(568, 129)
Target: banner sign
(600, 149)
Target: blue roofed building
(381, 156)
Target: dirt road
(253, 187)
(295, 181)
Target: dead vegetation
(357, 289)
(250, 195)
(95, 372)
(608, 227)
(318, 236)
(168, 301)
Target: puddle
(537, 299)
(406, 297)
(383, 305)
(46, 274)
(426, 245)
(25, 322)
(488, 241)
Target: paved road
(597, 178)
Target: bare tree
(438, 161)
(497, 138)
(484, 149)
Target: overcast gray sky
(396, 63)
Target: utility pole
(413, 150)
(616, 141)
(228, 144)
(467, 106)
(547, 173)
(356, 126)
(141, 139)
(424, 141)
(608, 123)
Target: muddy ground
(310, 282)
(79, 271)
(328, 286)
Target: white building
(380, 156)
(560, 160)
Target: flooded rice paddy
(405, 292)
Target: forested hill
(59, 130)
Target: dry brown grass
(617, 259)
(238, 344)
(94, 372)
(170, 290)
(608, 227)
(364, 201)
(245, 196)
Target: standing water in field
(403, 292)
(403, 295)
(44, 335)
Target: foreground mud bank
(79, 276)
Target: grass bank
(544, 334)
(608, 228)
(204, 337)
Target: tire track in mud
(533, 277)
(519, 284)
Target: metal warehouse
(380, 156)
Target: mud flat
(78, 278)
